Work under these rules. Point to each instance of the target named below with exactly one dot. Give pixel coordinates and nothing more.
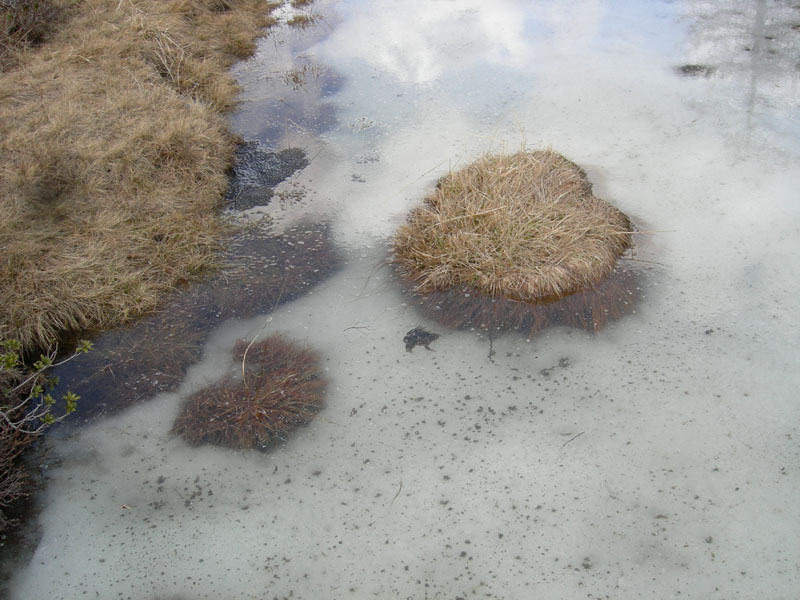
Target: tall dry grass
(113, 159)
(525, 226)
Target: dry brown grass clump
(499, 242)
(113, 158)
(525, 226)
(282, 389)
(302, 21)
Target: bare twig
(573, 438)
(399, 489)
(357, 327)
(263, 327)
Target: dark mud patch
(267, 271)
(256, 172)
(132, 364)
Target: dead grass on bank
(524, 226)
(23, 24)
(113, 158)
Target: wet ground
(658, 457)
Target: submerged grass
(113, 158)
(590, 309)
(282, 388)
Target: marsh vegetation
(517, 242)
(280, 387)
(114, 151)
(113, 158)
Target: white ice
(659, 458)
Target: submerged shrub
(517, 242)
(280, 388)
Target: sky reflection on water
(657, 458)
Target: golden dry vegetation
(524, 226)
(113, 156)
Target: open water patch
(263, 270)
(256, 172)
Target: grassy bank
(113, 157)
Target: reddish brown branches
(282, 390)
(13, 477)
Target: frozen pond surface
(659, 458)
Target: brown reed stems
(282, 389)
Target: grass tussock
(282, 389)
(524, 226)
(113, 158)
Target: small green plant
(26, 410)
(27, 404)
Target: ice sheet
(658, 458)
